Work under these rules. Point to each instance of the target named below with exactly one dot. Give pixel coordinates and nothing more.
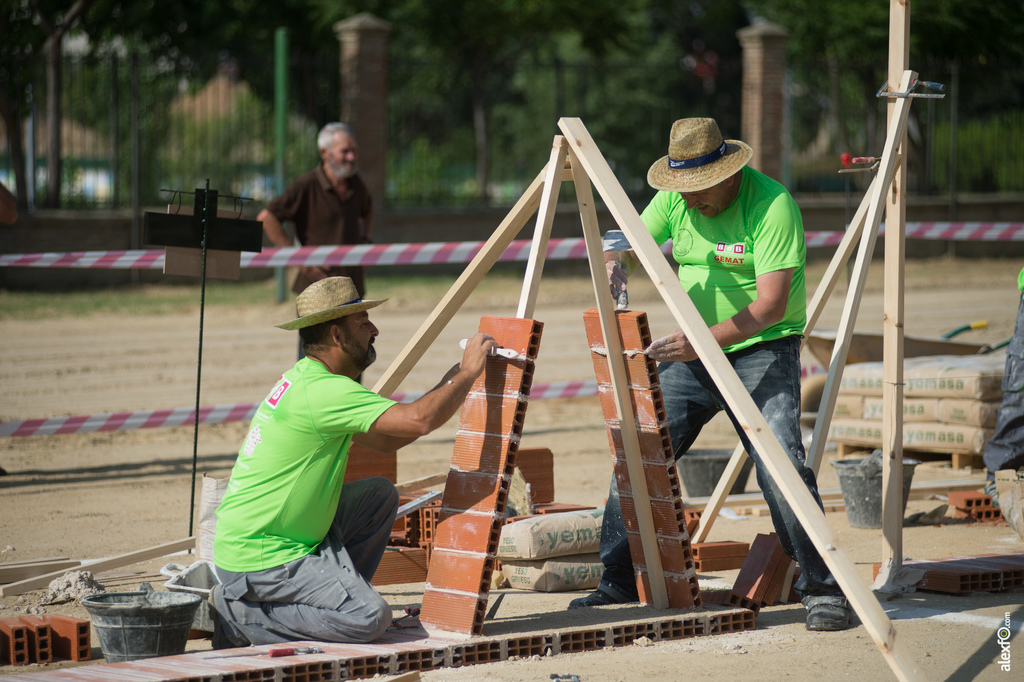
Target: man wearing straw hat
(738, 238)
(294, 548)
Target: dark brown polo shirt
(323, 218)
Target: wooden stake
(745, 411)
(892, 322)
(620, 388)
(542, 233)
(463, 287)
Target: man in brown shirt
(329, 205)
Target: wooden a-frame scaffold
(587, 168)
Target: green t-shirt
(720, 257)
(1020, 280)
(286, 482)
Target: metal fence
(134, 125)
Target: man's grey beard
(342, 171)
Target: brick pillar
(364, 94)
(764, 70)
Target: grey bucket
(143, 624)
(701, 469)
(860, 481)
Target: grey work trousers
(326, 595)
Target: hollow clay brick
(538, 468)
(459, 571)
(488, 413)
(480, 452)
(475, 491)
(634, 333)
(14, 641)
(667, 519)
(452, 612)
(39, 639)
(659, 481)
(764, 569)
(70, 637)
(655, 445)
(469, 531)
(366, 463)
(649, 413)
(638, 369)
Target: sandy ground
(92, 496)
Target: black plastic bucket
(143, 624)
(860, 481)
(701, 469)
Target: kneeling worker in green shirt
(294, 549)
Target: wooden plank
(729, 476)
(542, 233)
(463, 287)
(29, 584)
(420, 483)
(919, 490)
(10, 573)
(620, 388)
(893, 318)
(745, 411)
(848, 319)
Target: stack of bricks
(40, 639)
(970, 504)
(663, 486)
(465, 540)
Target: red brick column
(364, 94)
(764, 71)
(473, 507)
(663, 486)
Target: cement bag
(561, 574)
(922, 436)
(973, 377)
(209, 499)
(548, 535)
(914, 409)
(969, 412)
(848, 407)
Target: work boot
(600, 597)
(827, 616)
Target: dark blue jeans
(1005, 449)
(770, 371)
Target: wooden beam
(10, 573)
(420, 483)
(542, 233)
(919, 490)
(463, 287)
(30, 584)
(875, 621)
(893, 320)
(620, 388)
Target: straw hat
(698, 157)
(327, 299)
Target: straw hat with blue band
(698, 157)
(328, 299)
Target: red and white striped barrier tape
(220, 414)
(449, 252)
